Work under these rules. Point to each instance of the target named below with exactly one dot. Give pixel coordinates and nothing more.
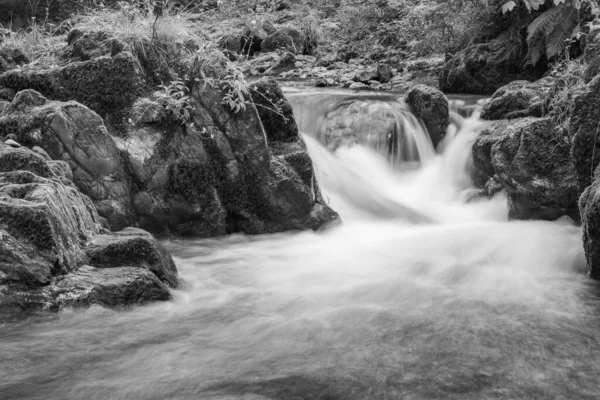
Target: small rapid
(419, 294)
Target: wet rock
(287, 38)
(118, 286)
(518, 99)
(51, 233)
(431, 106)
(133, 248)
(475, 70)
(73, 133)
(533, 169)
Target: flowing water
(418, 295)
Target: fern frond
(556, 40)
(545, 23)
(536, 49)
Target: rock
(287, 38)
(89, 45)
(535, 171)
(589, 206)
(7, 94)
(12, 143)
(286, 63)
(71, 132)
(253, 35)
(358, 86)
(133, 248)
(118, 286)
(53, 249)
(583, 126)
(518, 99)
(41, 152)
(149, 110)
(475, 70)
(231, 42)
(431, 106)
(107, 85)
(321, 83)
(384, 73)
(365, 77)
(11, 57)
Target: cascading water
(464, 306)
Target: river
(419, 294)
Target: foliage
(176, 100)
(161, 35)
(569, 78)
(549, 33)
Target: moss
(190, 179)
(109, 86)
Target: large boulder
(431, 106)
(475, 70)
(534, 168)
(49, 232)
(227, 172)
(75, 134)
(287, 38)
(518, 99)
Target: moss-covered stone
(532, 167)
(431, 106)
(518, 99)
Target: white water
(470, 306)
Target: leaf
(545, 23)
(508, 6)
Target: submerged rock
(534, 169)
(431, 106)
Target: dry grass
(36, 43)
(569, 79)
(162, 43)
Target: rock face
(474, 70)
(431, 106)
(53, 252)
(584, 126)
(518, 99)
(72, 133)
(535, 171)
